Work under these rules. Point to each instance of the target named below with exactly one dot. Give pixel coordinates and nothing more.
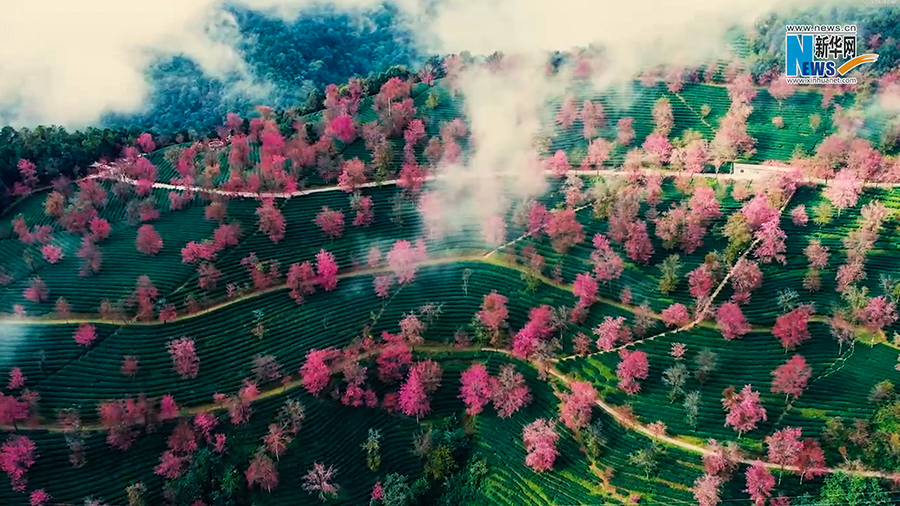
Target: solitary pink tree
(663, 118)
(342, 128)
(493, 312)
(16, 379)
(700, 282)
(301, 279)
(625, 131)
(145, 141)
(315, 374)
(271, 221)
(509, 391)
(760, 483)
(413, 399)
(576, 409)
(568, 112)
(780, 89)
(792, 328)
(610, 331)
(539, 438)
(658, 148)
(675, 315)
(638, 244)
(326, 270)
(365, 215)
(319, 481)
(843, 191)
(36, 291)
(148, 240)
(262, 472)
(731, 321)
(476, 388)
(17, 455)
(791, 377)
(784, 446)
(707, 489)
(331, 222)
(29, 177)
(403, 259)
(184, 357)
(585, 288)
(592, 117)
(528, 338)
(634, 366)
(771, 242)
(52, 253)
(85, 334)
(607, 263)
(744, 409)
(816, 254)
(799, 216)
(746, 276)
(353, 174)
(558, 164)
(39, 497)
(878, 313)
(564, 229)
(810, 460)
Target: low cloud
(507, 108)
(68, 63)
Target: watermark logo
(820, 54)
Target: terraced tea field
(235, 322)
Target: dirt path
(486, 258)
(109, 173)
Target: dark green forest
(321, 46)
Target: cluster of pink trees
(535, 334)
(302, 279)
(263, 273)
(77, 213)
(424, 379)
(394, 363)
(785, 448)
(123, 417)
(719, 466)
(858, 243)
(508, 391)
(684, 225)
(205, 252)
